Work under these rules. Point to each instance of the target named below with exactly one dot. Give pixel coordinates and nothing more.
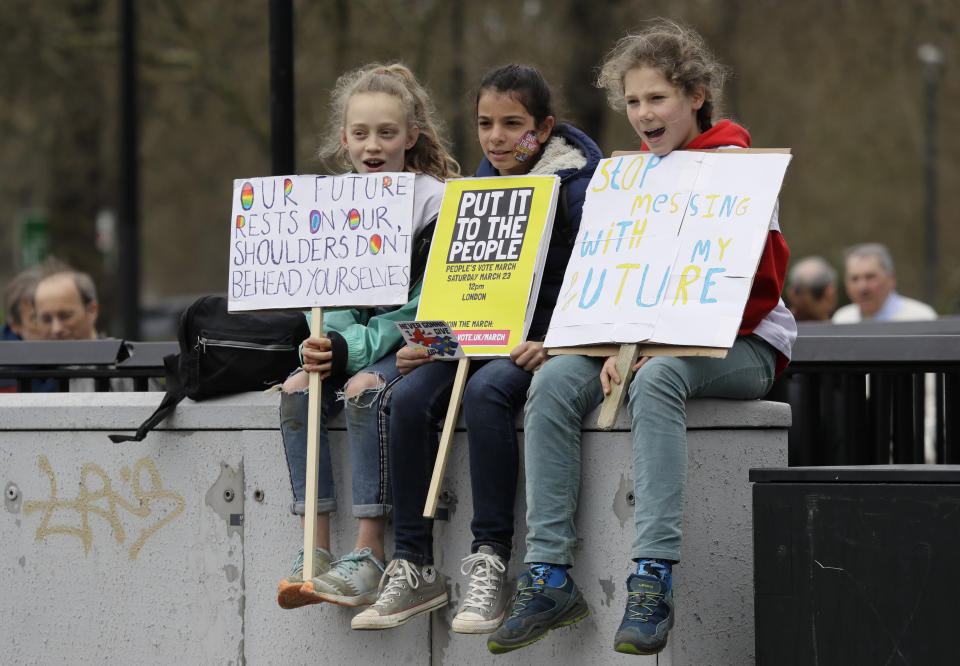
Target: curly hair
(429, 155)
(679, 53)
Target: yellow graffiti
(84, 503)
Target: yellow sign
(487, 257)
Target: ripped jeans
(366, 433)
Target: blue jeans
(366, 432)
(567, 387)
(494, 393)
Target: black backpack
(222, 353)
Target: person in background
(18, 307)
(812, 289)
(21, 322)
(66, 305)
(871, 286)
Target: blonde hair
(679, 53)
(429, 155)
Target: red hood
(724, 133)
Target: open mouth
(374, 164)
(656, 133)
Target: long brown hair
(429, 155)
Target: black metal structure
(283, 155)
(128, 227)
(856, 565)
(101, 360)
(858, 392)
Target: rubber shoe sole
(291, 595)
(631, 648)
(467, 626)
(364, 599)
(575, 613)
(372, 620)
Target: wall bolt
(631, 499)
(228, 494)
(13, 493)
(448, 497)
(258, 495)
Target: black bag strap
(175, 393)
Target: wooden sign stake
(446, 437)
(313, 444)
(626, 359)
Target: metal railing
(859, 393)
(50, 365)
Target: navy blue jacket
(573, 189)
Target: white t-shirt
(427, 195)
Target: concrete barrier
(170, 550)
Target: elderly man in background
(812, 289)
(871, 283)
(66, 302)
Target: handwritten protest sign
(668, 248)
(330, 241)
(484, 269)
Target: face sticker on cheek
(525, 146)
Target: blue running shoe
(648, 617)
(538, 608)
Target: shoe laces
(486, 574)
(298, 564)
(641, 605)
(526, 594)
(400, 574)
(350, 562)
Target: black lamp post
(932, 58)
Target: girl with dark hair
(519, 134)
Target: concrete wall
(170, 550)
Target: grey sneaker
(351, 581)
(288, 592)
(406, 591)
(484, 605)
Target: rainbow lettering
(246, 196)
(287, 186)
(375, 243)
(241, 220)
(387, 181)
(353, 218)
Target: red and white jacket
(765, 314)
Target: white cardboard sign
(667, 249)
(320, 241)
